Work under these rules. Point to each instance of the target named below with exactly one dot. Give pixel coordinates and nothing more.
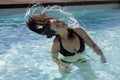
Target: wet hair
(41, 25)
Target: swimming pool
(25, 55)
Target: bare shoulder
(79, 31)
(85, 36)
(54, 46)
(77, 28)
(54, 43)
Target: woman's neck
(63, 34)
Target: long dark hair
(40, 24)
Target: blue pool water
(25, 55)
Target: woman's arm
(54, 53)
(91, 43)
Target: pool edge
(70, 3)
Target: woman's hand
(103, 60)
(99, 52)
(64, 68)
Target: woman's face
(57, 25)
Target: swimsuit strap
(82, 44)
(63, 51)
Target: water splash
(53, 11)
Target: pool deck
(8, 7)
(25, 3)
(3, 2)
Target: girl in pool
(70, 42)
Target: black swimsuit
(67, 53)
